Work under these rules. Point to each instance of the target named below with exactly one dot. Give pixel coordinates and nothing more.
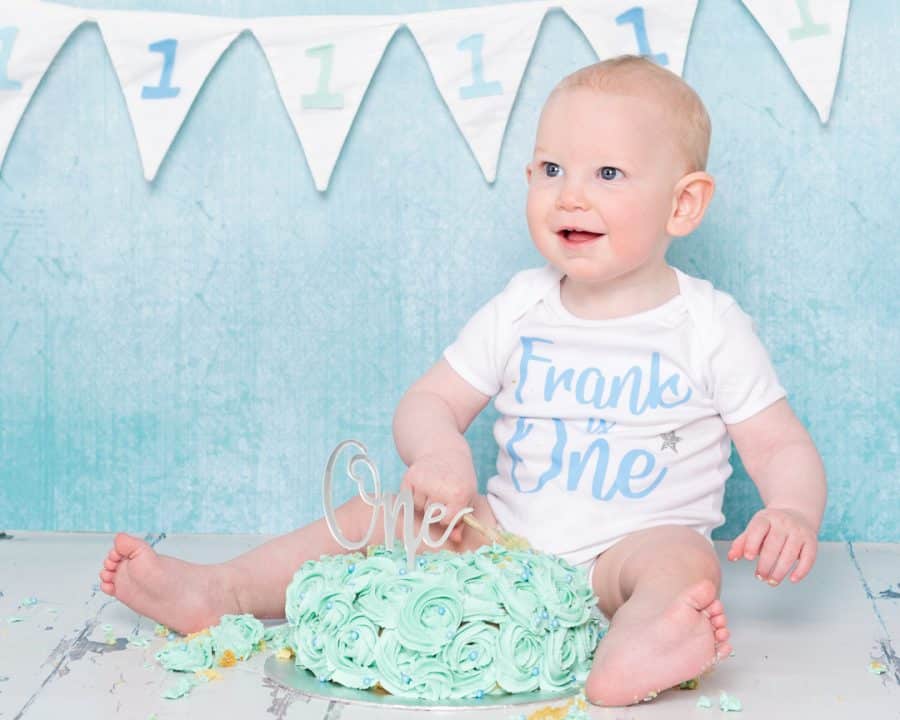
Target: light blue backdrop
(184, 355)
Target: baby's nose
(571, 197)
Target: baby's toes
(714, 608)
(110, 564)
(723, 650)
(107, 576)
(114, 555)
(721, 635)
(718, 621)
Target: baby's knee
(669, 547)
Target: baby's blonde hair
(636, 75)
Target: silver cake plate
(287, 673)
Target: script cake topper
(390, 504)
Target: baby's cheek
(630, 248)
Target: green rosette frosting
(394, 663)
(558, 662)
(302, 597)
(584, 638)
(479, 594)
(334, 609)
(429, 619)
(386, 596)
(521, 602)
(360, 575)
(309, 650)
(431, 679)
(191, 655)
(519, 655)
(563, 601)
(470, 657)
(350, 651)
(278, 636)
(457, 626)
(238, 633)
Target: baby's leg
(188, 597)
(659, 587)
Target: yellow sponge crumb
(201, 633)
(228, 659)
(284, 654)
(209, 674)
(557, 713)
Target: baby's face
(601, 184)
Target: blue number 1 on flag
(635, 16)
(7, 37)
(478, 88)
(164, 89)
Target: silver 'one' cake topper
(390, 504)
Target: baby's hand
(447, 477)
(784, 536)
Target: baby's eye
(608, 173)
(551, 169)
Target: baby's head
(618, 168)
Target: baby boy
(620, 383)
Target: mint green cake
(467, 625)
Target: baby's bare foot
(634, 661)
(182, 596)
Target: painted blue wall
(184, 355)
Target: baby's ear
(689, 202)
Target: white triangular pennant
(809, 34)
(162, 60)
(658, 29)
(31, 35)
(477, 57)
(323, 65)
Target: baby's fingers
(788, 557)
(736, 551)
(756, 532)
(456, 535)
(771, 549)
(807, 558)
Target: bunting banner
(323, 65)
(30, 36)
(477, 57)
(809, 35)
(161, 61)
(658, 29)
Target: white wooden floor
(801, 651)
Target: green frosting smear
(492, 621)
(242, 634)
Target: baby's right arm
(429, 423)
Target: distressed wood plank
(800, 650)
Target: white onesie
(611, 426)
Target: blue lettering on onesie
(589, 386)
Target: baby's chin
(585, 269)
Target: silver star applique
(669, 440)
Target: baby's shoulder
(526, 288)
(706, 304)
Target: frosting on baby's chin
(492, 621)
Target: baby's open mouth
(571, 235)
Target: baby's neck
(621, 297)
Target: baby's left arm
(782, 461)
